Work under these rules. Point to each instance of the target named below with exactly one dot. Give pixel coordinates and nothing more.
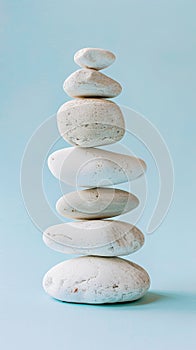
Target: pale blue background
(155, 43)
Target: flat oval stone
(90, 83)
(90, 122)
(94, 58)
(96, 280)
(94, 237)
(93, 167)
(96, 203)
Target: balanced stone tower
(88, 121)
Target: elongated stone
(96, 203)
(94, 237)
(93, 167)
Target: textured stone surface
(90, 83)
(96, 280)
(96, 203)
(95, 237)
(93, 167)
(89, 122)
(94, 58)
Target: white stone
(93, 167)
(94, 58)
(90, 83)
(94, 237)
(90, 122)
(96, 203)
(96, 280)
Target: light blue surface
(155, 44)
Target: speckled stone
(90, 122)
(94, 237)
(96, 203)
(93, 167)
(96, 280)
(90, 83)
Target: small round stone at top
(94, 58)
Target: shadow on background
(168, 301)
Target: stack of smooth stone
(87, 121)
